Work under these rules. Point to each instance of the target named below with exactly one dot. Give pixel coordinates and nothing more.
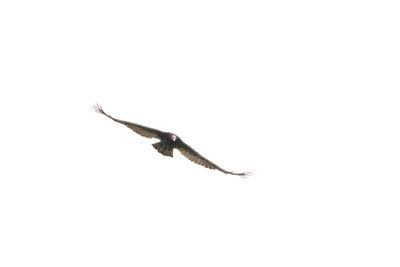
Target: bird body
(169, 142)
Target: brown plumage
(169, 141)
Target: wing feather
(137, 128)
(195, 157)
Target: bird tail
(163, 149)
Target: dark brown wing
(194, 156)
(137, 128)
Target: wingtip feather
(244, 174)
(98, 108)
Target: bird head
(173, 137)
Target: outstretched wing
(194, 156)
(137, 128)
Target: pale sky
(304, 94)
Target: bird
(169, 142)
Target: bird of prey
(169, 141)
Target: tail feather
(163, 149)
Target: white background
(301, 93)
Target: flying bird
(169, 141)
